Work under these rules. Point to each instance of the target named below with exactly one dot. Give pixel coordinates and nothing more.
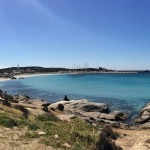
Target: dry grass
(77, 133)
(11, 111)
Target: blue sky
(60, 33)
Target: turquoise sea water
(121, 91)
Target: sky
(114, 34)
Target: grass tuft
(7, 121)
(46, 117)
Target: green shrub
(105, 140)
(9, 98)
(46, 117)
(23, 109)
(76, 136)
(6, 103)
(7, 121)
(110, 133)
(31, 135)
(33, 127)
(77, 146)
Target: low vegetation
(50, 131)
(7, 121)
(76, 133)
(106, 140)
(24, 111)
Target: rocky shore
(143, 120)
(135, 137)
(91, 112)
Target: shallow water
(128, 92)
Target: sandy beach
(30, 75)
(23, 76)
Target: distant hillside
(37, 69)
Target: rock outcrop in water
(90, 111)
(144, 117)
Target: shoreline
(20, 76)
(105, 113)
(58, 73)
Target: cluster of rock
(89, 111)
(20, 98)
(144, 117)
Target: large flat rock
(80, 105)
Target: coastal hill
(38, 69)
(32, 69)
(11, 72)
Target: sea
(127, 91)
